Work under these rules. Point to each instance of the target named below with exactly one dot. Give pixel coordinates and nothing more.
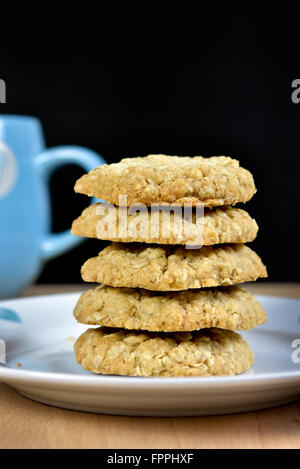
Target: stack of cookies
(163, 308)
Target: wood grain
(27, 424)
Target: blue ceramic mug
(25, 165)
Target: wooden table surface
(27, 424)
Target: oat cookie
(209, 352)
(170, 268)
(221, 225)
(231, 308)
(162, 179)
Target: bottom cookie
(208, 352)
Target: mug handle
(46, 162)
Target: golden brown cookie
(161, 179)
(218, 226)
(170, 268)
(208, 352)
(231, 308)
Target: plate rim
(105, 381)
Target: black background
(210, 80)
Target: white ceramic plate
(40, 364)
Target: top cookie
(164, 180)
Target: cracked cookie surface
(208, 352)
(163, 180)
(171, 268)
(232, 308)
(217, 226)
